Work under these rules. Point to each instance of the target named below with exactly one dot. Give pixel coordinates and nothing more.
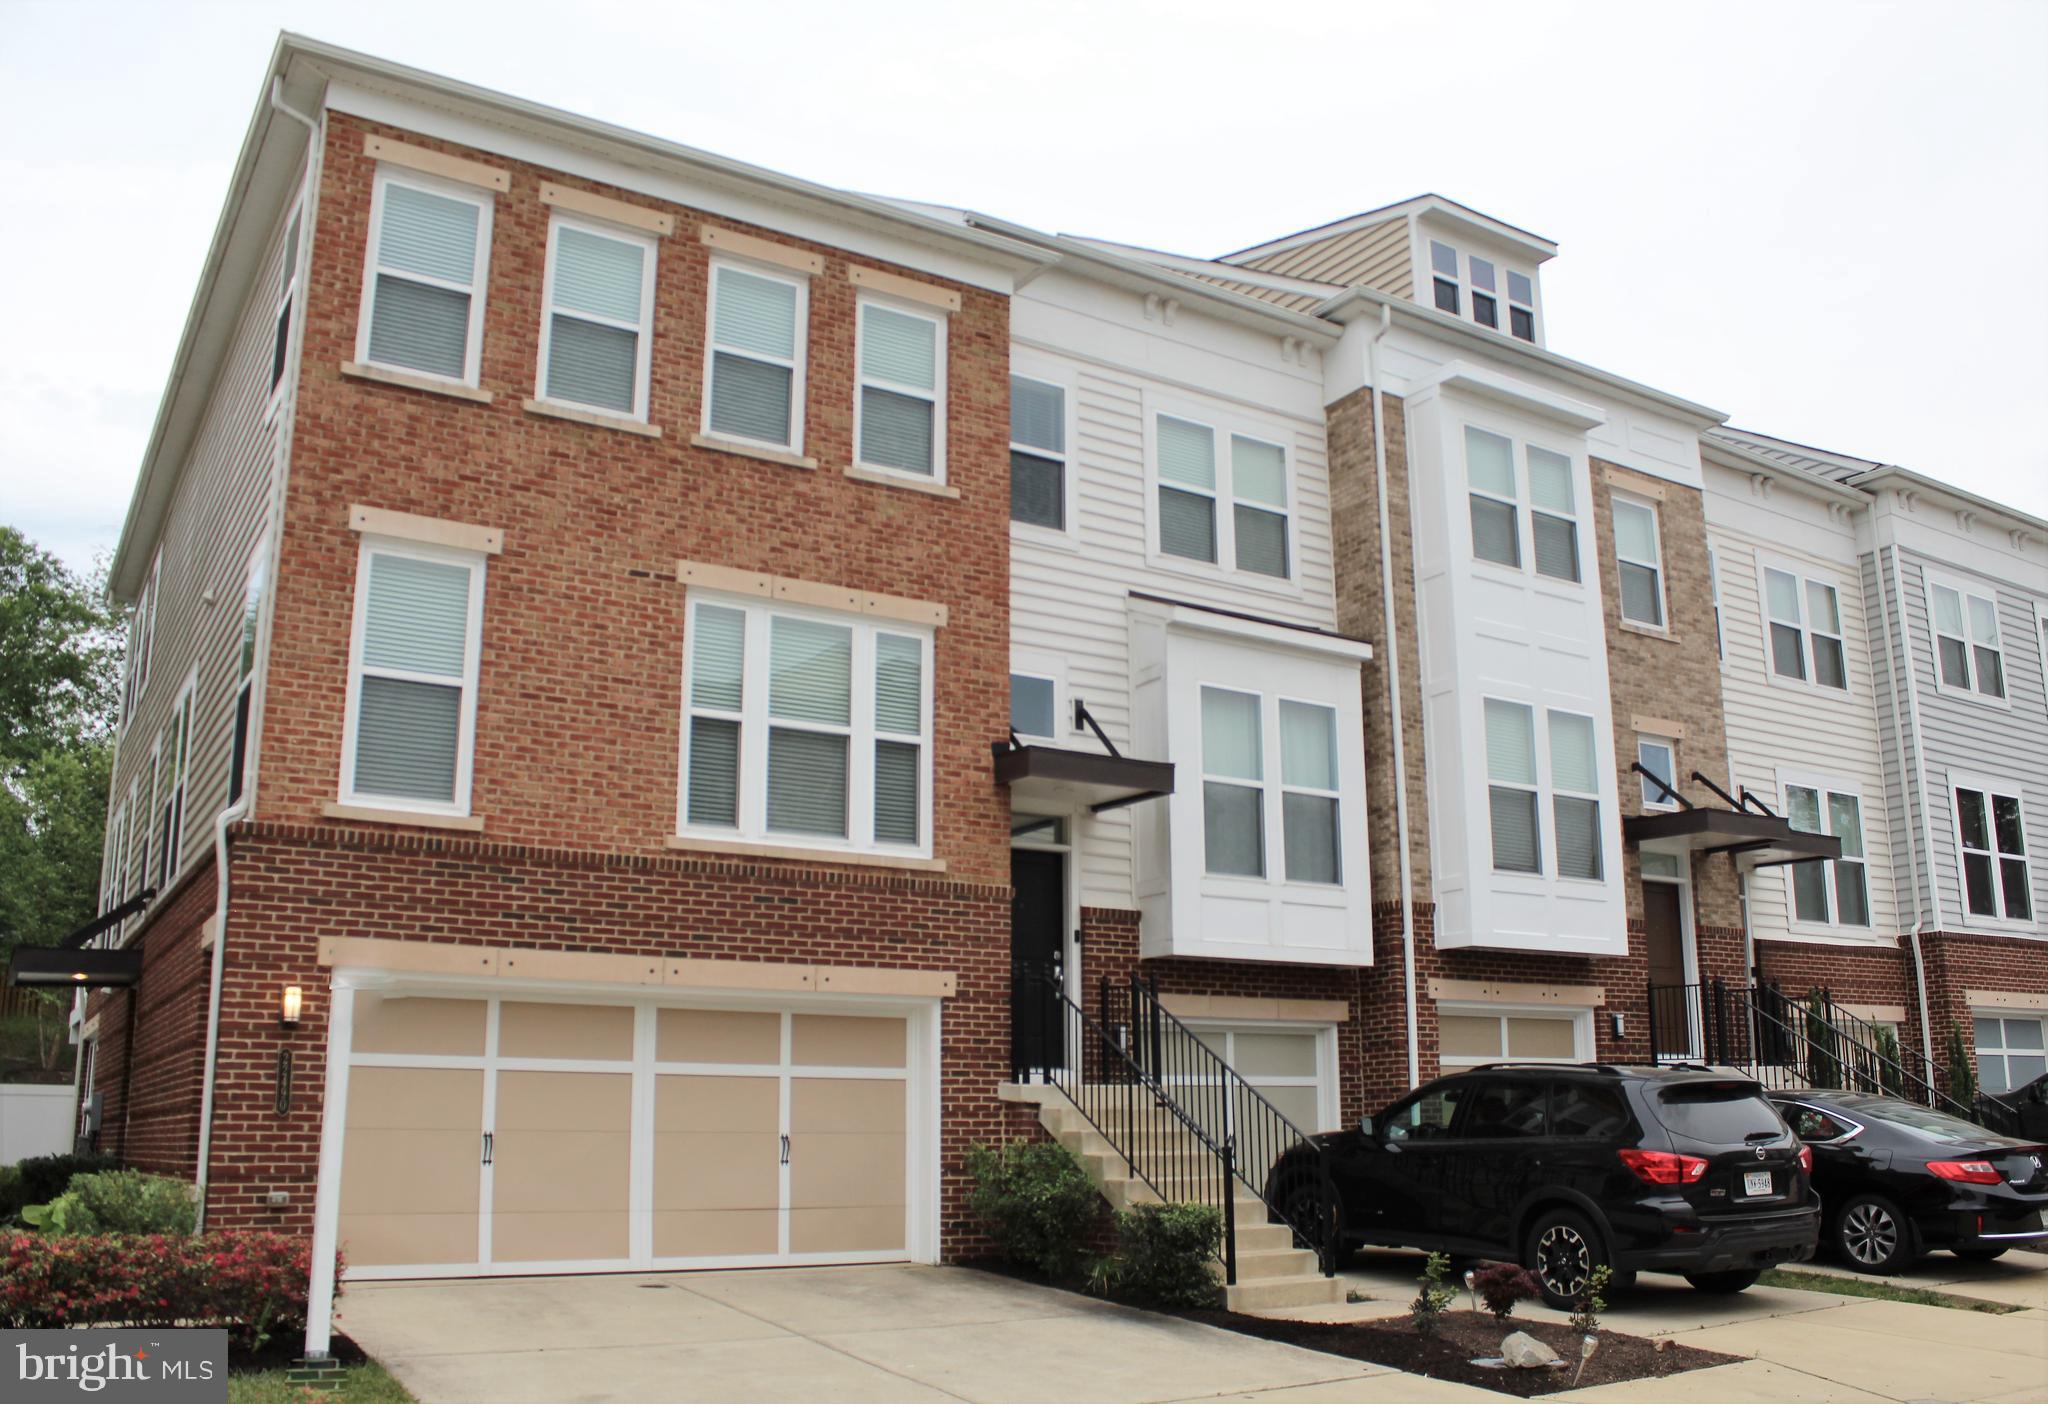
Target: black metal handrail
(1784, 1041)
(1092, 1065)
(1218, 1098)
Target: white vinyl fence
(34, 1120)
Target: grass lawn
(367, 1383)
(1879, 1291)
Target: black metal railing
(1785, 1040)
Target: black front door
(1038, 922)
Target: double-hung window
(1828, 892)
(1512, 794)
(1991, 825)
(756, 370)
(1968, 654)
(1495, 502)
(1641, 567)
(287, 285)
(1252, 477)
(1575, 795)
(1521, 305)
(245, 664)
(900, 411)
(141, 636)
(1236, 779)
(1038, 453)
(1258, 483)
(1515, 791)
(177, 759)
(1485, 292)
(805, 728)
(600, 305)
(410, 730)
(1553, 520)
(423, 299)
(1804, 617)
(2010, 1050)
(1187, 489)
(1443, 268)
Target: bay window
(1828, 892)
(1575, 796)
(755, 370)
(1991, 824)
(1517, 785)
(599, 308)
(805, 727)
(1511, 787)
(423, 295)
(899, 410)
(1236, 809)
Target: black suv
(1565, 1168)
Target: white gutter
(1393, 665)
(273, 536)
(1888, 600)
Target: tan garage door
(506, 1135)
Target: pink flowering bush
(252, 1283)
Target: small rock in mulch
(1462, 1337)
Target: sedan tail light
(1966, 1172)
(1664, 1167)
(1806, 1159)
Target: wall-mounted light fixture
(288, 1009)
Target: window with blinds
(1519, 779)
(1553, 519)
(1575, 796)
(1038, 453)
(756, 362)
(1511, 787)
(804, 728)
(1495, 503)
(412, 686)
(600, 299)
(429, 248)
(1222, 497)
(1242, 796)
(1641, 568)
(1233, 784)
(899, 408)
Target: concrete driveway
(826, 1334)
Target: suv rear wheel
(1561, 1251)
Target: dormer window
(1522, 305)
(1453, 274)
(1485, 303)
(1443, 262)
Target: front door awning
(1056, 776)
(78, 969)
(1752, 840)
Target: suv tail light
(1664, 1167)
(1967, 1172)
(1806, 1159)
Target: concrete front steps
(1271, 1272)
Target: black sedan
(1898, 1180)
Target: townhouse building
(652, 679)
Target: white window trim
(1273, 790)
(1221, 426)
(752, 828)
(1802, 578)
(1280, 789)
(2003, 1050)
(937, 394)
(643, 331)
(1324, 1080)
(465, 739)
(173, 856)
(1535, 337)
(1551, 791)
(1519, 443)
(245, 683)
(1620, 500)
(2041, 645)
(1045, 668)
(1539, 756)
(1582, 1033)
(1963, 780)
(1654, 798)
(1714, 591)
(1930, 581)
(798, 367)
(1435, 275)
(1834, 926)
(1546, 791)
(1025, 366)
(478, 288)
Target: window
(1443, 265)
(1254, 535)
(113, 864)
(1485, 296)
(142, 639)
(1235, 809)
(245, 664)
(1714, 589)
(1490, 471)
(1468, 1036)
(2009, 1051)
(599, 303)
(1969, 658)
(756, 369)
(134, 841)
(177, 749)
(1511, 787)
(1552, 518)
(805, 727)
(1487, 281)
(1038, 453)
(1642, 570)
(1996, 882)
(1033, 706)
(1575, 795)
(1583, 1107)
(1805, 623)
(1428, 1117)
(1814, 1126)
(287, 284)
(411, 720)
(1828, 892)
(1659, 756)
(900, 414)
(1508, 1111)
(423, 305)
(1522, 305)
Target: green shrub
(1164, 1254)
(118, 1201)
(1962, 1072)
(1435, 1298)
(1036, 1202)
(1585, 1318)
(40, 1179)
(1891, 1066)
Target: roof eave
(1887, 472)
(1733, 456)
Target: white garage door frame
(921, 1139)
(1325, 1082)
(1580, 1017)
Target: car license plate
(1756, 1182)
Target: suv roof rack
(1544, 1067)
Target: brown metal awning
(1059, 776)
(1752, 840)
(77, 969)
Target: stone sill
(406, 380)
(894, 480)
(596, 419)
(363, 814)
(732, 848)
(1629, 626)
(767, 455)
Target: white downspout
(1888, 599)
(240, 809)
(1393, 657)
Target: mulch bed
(284, 1349)
(1462, 1336)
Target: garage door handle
(785, 1150)
(487, 1148)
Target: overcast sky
(1827, 220)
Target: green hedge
(119, 1201)
(40, 1179)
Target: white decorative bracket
(1151, 307)
(1171, 310)
(1966, 520)
(2020, 537)
(1761, 485)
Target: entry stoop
(1271, 1272)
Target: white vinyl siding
(413, 662)
(1639, 562)
(754, 372)
(900, 401)
(805, 728)
(598, 314)
(423, 286)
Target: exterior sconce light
(288, 1009)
